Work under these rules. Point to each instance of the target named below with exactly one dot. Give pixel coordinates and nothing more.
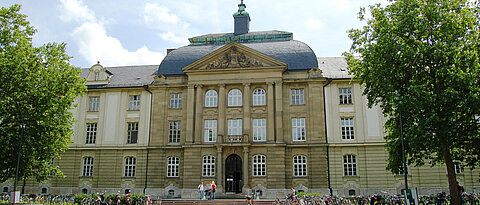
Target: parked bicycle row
(82, 199)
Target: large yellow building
(248, 110)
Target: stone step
(213, 202)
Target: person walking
(201, 188)
(212, 191)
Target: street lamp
(20, 143)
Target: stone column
(270, 114)
(246, 110)
(198, 115)
(221, 112)
(279, 112)
(245, 170)
(219, 170)
(190, 114)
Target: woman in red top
(212, 195)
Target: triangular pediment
(234, 56)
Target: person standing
(201, 189)
(212, 192)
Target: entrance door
(233, 174)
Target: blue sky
(121, 32)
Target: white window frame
(234, 127)
(93, 103)
(259, 97)
(345, 96)
(259, 130)
(91, 134)
(208, 166)
(347, 125)
(87, 170)
(132, 133)
(235, 97)
(457, 167)
(96, 76)
(300, 166)
(175, 100)
(129, 169)
(349, 165)
(259, 166)
(211, 98)
(134, 102)
(173, 165)
(299, 133)
(210, 131)
(174, 131)
(298, 96)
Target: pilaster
(279, 112)
(190, 114)
(221, 111)
(198, 115)
(245, 168)
(270, 113)
(246, 109)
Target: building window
(176, 100)
(235, 97)
(87, 167)
(234, 127)
(208, 166)
(259, 96)
(132, 133)
(298, 97)
(210, 132)
(97, 76)
(457, 167)
(211, 98)
(298, 129)
(174, 131)
(93, 104)
(345, 95)
(259, 130)
(259, 166)
(91, 133)
(351, 192)
(349, 165)
(130, 166)
(299, 166)
(173, 164)
(347, 128)
(44, 191)
(84, 191)
(134, 102)
(5, 189)
(171, 193)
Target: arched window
(259, 164)
(259, 96)
(173, 164)
(211, 98)
(299, 166)
(235, 97)
(208, 166)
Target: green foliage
(420, 58)
(45, 84)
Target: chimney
(170, 50)
(242, 20)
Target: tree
(420, 58)
(44, 84)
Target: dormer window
(97, 76)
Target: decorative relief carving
(234, 59)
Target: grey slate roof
(298, 55)
(127, 76)
(334, 67)
(255, 33)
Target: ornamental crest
(234, 59)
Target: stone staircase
(212, 202)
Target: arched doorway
(233, 174)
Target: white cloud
(154, 13)
(94, 44)
(75, 10)
(314, 23)
(170, 36)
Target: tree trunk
(452, 181)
